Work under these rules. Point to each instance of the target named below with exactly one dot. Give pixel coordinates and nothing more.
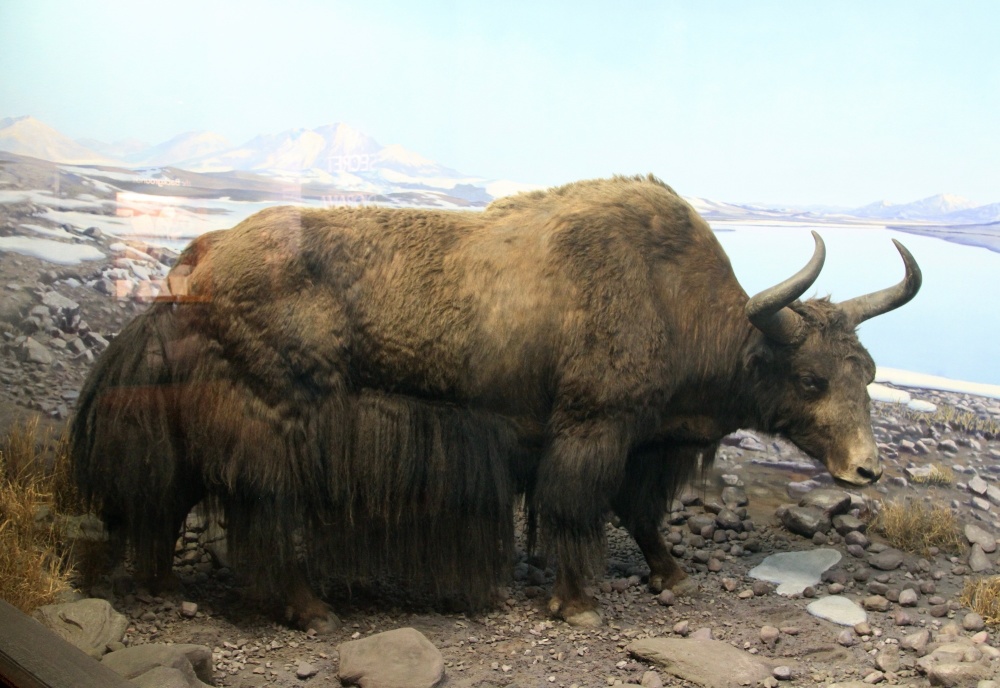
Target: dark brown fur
(385, 383)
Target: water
(951, 328)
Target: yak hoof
(685, 587)
(656, 584)
(586, 619)
(324, 625)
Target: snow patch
(905, 378)
(50, 251)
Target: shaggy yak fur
(367, 392)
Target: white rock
(838, 609)
(795, 571)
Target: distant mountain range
(343, 157)
(335, 155)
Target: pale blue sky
(783, 102)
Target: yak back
(594, 294)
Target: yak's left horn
(768, 310)
(862, 308)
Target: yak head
(810, 373)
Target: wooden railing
(32, 656)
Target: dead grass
(34, 484)
(936, 476)
(982, 595)
(912, 526)
(949, 417)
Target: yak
(367, 393)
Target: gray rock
(192, 662)
(955, 673)
(89, 624)
(651, 679)
(57, 303)
(978, 486)
(845, 524)
(876, 603)
(831, 501)
(734, 497)
(305, 670)
(886, 560)
(164, 677)
(978, 561)
(977, 536)
(796, 490)
(847, 638)
(908, 598)
(402, 658)
(697, 522)
(888, 659)
(703, 662)
(916, 642)
(993, 494)
(729, 520)
(806, 520)
(973, 622)
(32, 351)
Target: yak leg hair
(578, 473)
(653, 477)
(424, 492)
(128, 459)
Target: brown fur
(385, 383)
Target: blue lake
(951, 328)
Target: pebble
(782, 673)
(847, 638)
(973, 622)
(875, 603)
(977, 536)
(978, 561)
(769, 635)
(305, 670)
(916, 642)
(888, 560)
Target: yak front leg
(576, 478)
(305, 610)
(652, 476)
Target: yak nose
(869, 475)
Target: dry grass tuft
(937, 476)
(912, 526)
(949, 417)
(33, 481)
(982, 595)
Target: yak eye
(812, 384)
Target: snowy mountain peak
(190, 145)
(29, 136)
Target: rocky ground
(54, 321)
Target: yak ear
(759, 355)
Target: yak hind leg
(305, 610)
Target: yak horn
(862, 308)
(768, 310)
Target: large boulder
(403, 658)
(186, 666)
(89, 624)
(703, 662)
